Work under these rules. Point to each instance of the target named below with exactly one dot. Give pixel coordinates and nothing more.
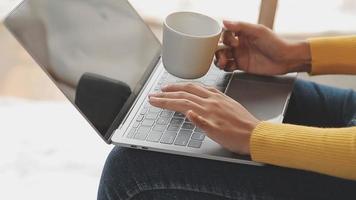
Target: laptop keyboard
(158, 125)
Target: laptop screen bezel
(135, 93)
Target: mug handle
(222, 46)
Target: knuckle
(220, 124)
(190, 86)
(205, 109)
(163, 95)
(215, 103)
(186, 103)
(214, 90)
(181, 94)
(204, 124)
(164, 103)
(261, 29)
(209, 88)
(215, 96)
(212, 104)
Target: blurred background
(47, 150)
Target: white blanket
(48, 151)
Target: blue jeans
(136, 174)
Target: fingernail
(228, 22)
(153, 95)
(152, 99)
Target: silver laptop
(106, 60)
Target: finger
(221, 59)
(200, 121)
(188, 87)
(179, 105)
(229, 39)
(231, 66)
(246, 28)
(212, 89)
(179, 95)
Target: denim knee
(117, 180)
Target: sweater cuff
(333, 55)
(266, 141)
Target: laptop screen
(98, 52)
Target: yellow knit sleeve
(333, 55)
(330, 151)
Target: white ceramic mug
(190, 41)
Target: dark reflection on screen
(101, 98)
(96, 51)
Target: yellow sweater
(329, 151)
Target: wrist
(252, 127)
(300, 57)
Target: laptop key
(142, 133)
(148, 122)
(173, 127)
(147, 105)
(144, 111)
(167, 113)
(162, 80)
(163, 120)
(141, 136)
(194, 143)
(183, 138)
(186, 132)
(131, 133)
(177, 121)
(143, 129)
(189, 126)
(178, 114)
(154, 136)
(157, 88)
(139, 118)
(136, 125)
(155, 109)
(198, 136)
(197, 129)
(151, 115)
(168, 137)
(159, 127)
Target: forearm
(327, 151)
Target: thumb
(246, 28)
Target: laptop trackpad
(264, 97)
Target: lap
(136, 174)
